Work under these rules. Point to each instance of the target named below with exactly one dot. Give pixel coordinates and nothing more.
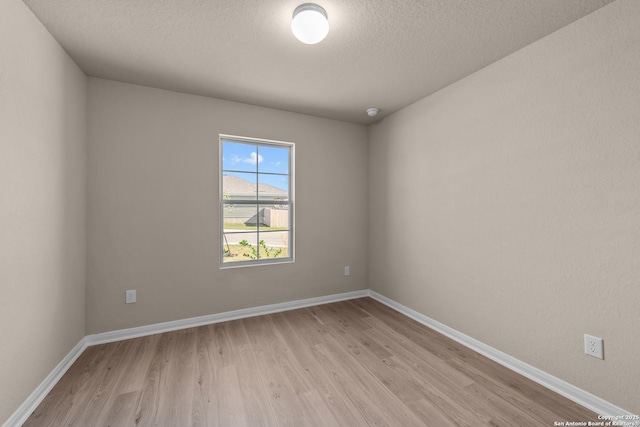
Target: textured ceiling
(379, 53)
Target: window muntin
(256, 201)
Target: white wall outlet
(593, 346)
(130, 297)
(347, 270)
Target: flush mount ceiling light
(310, 24)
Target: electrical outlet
(347, 270)
(593, 346)
(130, 297)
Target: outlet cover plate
(593, 346)
(130, 297)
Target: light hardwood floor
(352, 363)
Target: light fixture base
(310, 23)
(310, 6)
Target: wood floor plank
(300, 328)
(155, 383)
(358, 393)
(351, 363)
(133, 377)
(424, 363)
(204, 383)
(176, 408)
(282, 394)
(108, 385)
(121, 413)
(254, 385)
(231, 405)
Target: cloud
(255, 158)
(252, 159)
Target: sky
(245, 159)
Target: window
(256, 201)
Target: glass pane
(274, 217)
(266, 250)
(273, 187)
(239, 247)
(238, 156)
(274, 159)
(274, 231)
(239, 218)
(239, 186)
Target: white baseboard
(175, 325)
(34, 399)
(32, 402)
(586, 399)
(561, 387)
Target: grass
(238, 253)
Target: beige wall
(507, 205)
(42, 200)
(153, 207)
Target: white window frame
(223, 201)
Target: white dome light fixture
(372, 112)
(310, 24)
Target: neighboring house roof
(237, 187)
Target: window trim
(291, 202)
